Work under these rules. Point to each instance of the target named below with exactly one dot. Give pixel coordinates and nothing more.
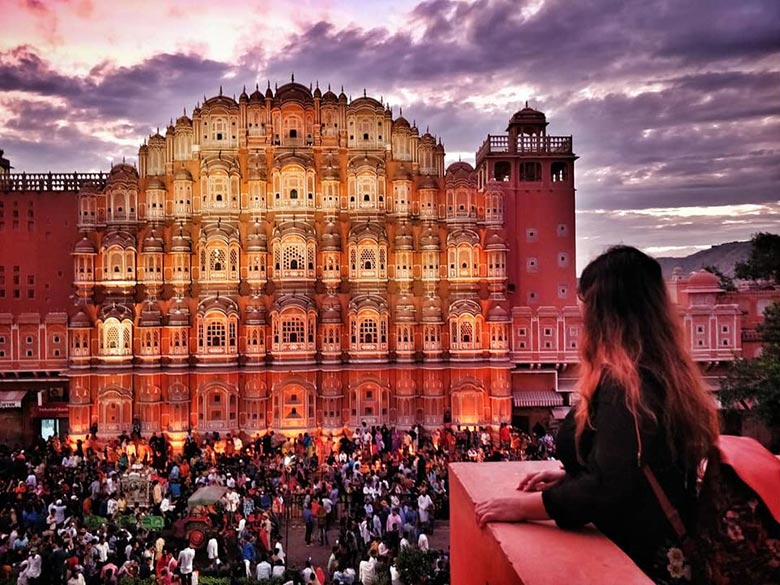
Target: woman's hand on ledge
(518, 507)
(538, 481)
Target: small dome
(401, 122)
(256, 315)
(243, 97)
(80, 320)
(181, 241)
(150, 315)
(429, 239)
(495, 241)
(331, 238)
(331, 173)
(498, 314)
(182, 174)
(179, 314)
(342, 97)
(527, 114)
(402, 173)
(257, 95)
(404, 239)
(317, 92)
(331, 310)
(329, 97)
(431, 309)
(155, 183)
(427, 182)
(703, 279)
(152, 243)
(269, 95)
(84, 246)
(256, 240)
(404, 309)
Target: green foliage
(415, 565)
(755, 383)
(764, 260)
(726, 282)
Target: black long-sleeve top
(610, 489)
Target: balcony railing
(530, 552)
(541, 145)
(50, 181)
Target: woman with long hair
(642, 403)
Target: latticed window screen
(215, 334)
(368, 331)
(112, 338)
(382, 260)
(293, 330)
(466, 332)
(353, 258)
(293, 256)
(232, 334)
(126, 341)
(217, 260)
(310, 257)
(234, 260)
(368, 259)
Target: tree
(755, 383)
(726, 282)
(764, 260)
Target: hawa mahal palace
(298, 260)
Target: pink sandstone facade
(296, 260)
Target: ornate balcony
(537, 145)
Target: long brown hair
(630, 323)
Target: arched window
(502, 170)
(465, 333)
(559, 172)
(217, 263)
(116, 338)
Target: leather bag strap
(668, 508)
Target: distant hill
(724, 256)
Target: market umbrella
(206, 496)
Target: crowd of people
(109, 508)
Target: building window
(531, 171)
(293, 330)
(700, 329)
(547, 332)
(725, 328)
(559, 172)
(215, 334)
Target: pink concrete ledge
(536, 553)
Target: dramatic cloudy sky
(674, 104)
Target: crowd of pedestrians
(109, 509)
